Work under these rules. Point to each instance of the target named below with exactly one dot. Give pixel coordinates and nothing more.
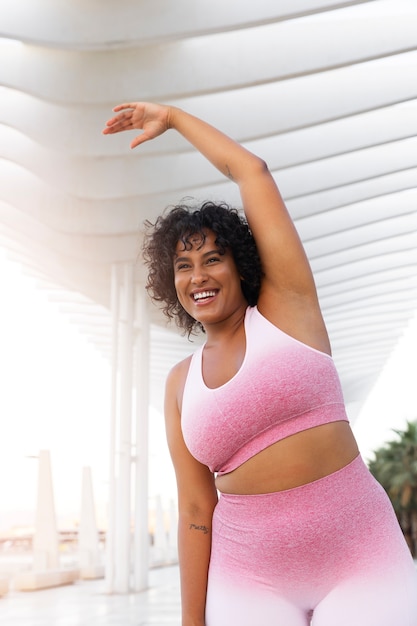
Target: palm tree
(395, 467)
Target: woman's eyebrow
(216, 251)
(180, 259)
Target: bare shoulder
(175, 382)
(178, 373)
(195, 481)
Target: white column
(173, 531)
(118, 561)
(88, 541)
(160, 551)
(111, 512)
(45, 543)
(141, 553)
(124, 450)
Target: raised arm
(288, 295)
(197, 497)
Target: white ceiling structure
(324, 90)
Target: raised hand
(152, 119)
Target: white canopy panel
(324, 91)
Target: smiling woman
(271, 528)
(207, 280)
(172, 235)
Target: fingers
(120, 122)
(126, 105)
(150, 118)
(108, 126)
(124, 121)
(138, 140)
(113, 126)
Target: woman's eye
(182, 266)
(213, 259)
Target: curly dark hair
(179, 224)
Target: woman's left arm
(288, 283)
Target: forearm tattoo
(204, 529)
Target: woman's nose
(199, 276)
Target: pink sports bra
(282, 388)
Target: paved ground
(87, 604)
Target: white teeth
(203, 294)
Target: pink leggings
(329, 553)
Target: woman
(301, 531)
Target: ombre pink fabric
(330, 551)
(283, 387)
(327, 553)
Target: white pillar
(173, 531)
(141, 553)
(88, 541)
(111, 512)
(124, 449)
(118, 561)
(160, 537)
(45, 543)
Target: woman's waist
(294, 461)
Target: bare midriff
(293, 461)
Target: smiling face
(207, 281)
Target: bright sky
(56, 396)
(393, 400)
